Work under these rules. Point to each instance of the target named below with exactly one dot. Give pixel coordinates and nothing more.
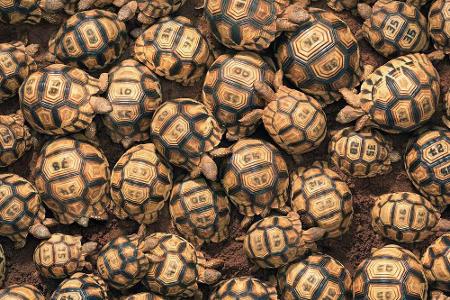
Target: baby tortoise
(438, 28)
(15, 138)
(144, 296)
(2, 266)
(32, 11)
(436, 262)
(248, 288)
(83, 287)
(21, 292)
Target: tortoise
(294, 120)
(436, 262)
(72, 178)
(229, 93)
(252, 24)
(124, 261)
(15, 138)
(62, 255)
(134, 93)
(393, 28)
(427, 164)
(320, 57)
(399, 96)
(21, 210)
(341, 5)
(249, 288)
(322, 199)
(184, 132)
(319, 276)
(81, 286)
(16, 63)
(365, 153)
(141, 182)
(255, 177)
(2, 265)
(180, 270)
(21, 292)
(144, 296)
(390, 272)
(174, 49)
(406, 217)
(60, 99)
(275, 241)
(200, 211)
(32, 11)
(90, 40)
(438, 22)
(148, 11)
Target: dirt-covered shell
(319, 276)
(134, 93)
(363, 154)
(90, 40)
(200, 210)
(20, 11)
(81, 286)
(404, 217)
(21, 292)
(399, 271)
(72, 178)
(15, 138)
(16, 64)
(228, 91)
(174, 49)
(322, 199)
(141, 182)
(321, 57)
(244, 288)
(144, 296)
(436, 262)
(148, 11)
(438, 24)
(427, 163)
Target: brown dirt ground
(351, 249)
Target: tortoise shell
(135, 93)
(15, 65)
(174, 49)
(427, 163)
(20, 11)
(20, 208)
(200, 211)
(83, 287)
(90, 40)
(404, 217)
(243, 25)
(15, 138)
(362, 154)
(176, 275)
(122, 263)
(401, 95)
(59, 257)
(183, 131)
(388, 272)
(72, 178)
(436, 262)
(140, 184)
(396, 28)
(150, 10)
(56, 100)
(321, 57)
(255, 177)
(144, 296)
(319, 276)
(248, 288)
(21, 292)
(438, 23)
(228, 91)
(2, 266)
(322, 199)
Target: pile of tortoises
(269, 72)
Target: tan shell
(21, 292)
(22, 11)
(436, 262)
(362, 154)
(399, 270)
(248, 288)
(438, 22)
(15, 65)
(396, 28)
(141, 182)
(135, 93)
(322, 199)
(15, 138)
(107, 40)
(81, 286)
(427, 163)
(144, 296)
(72, 178)
(317, 277)
(174, 49)
(200, 211)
